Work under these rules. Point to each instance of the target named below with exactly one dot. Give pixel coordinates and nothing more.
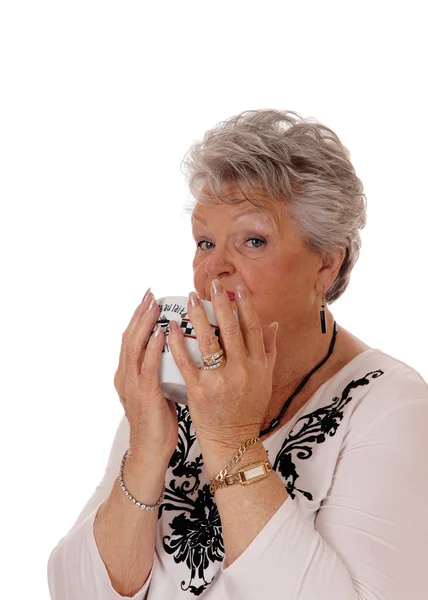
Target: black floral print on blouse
(311, 429)
(196, 535)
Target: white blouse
(354, 527)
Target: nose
(219, 263)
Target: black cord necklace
(275, 422)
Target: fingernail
(173, 326)
(217, 287)
(146, 302)
(194, 300)
(158, 330)
(274, 325)
(146, 295)
(153, 303)
(241, 292)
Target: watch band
(245, 475)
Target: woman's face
(262, 250)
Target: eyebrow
(238, 216)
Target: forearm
(244, 510)
(125, 534)
(289, 556)
(289, 559)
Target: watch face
(244, 476)
(256, 471)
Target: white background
(99, 103)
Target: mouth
(231, 296)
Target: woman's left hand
(228, 404)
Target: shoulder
(390, 390)
(394, 376)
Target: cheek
(199, 277)
(293, 266)
(290, 262)
(196, 266)
(281, 284)
(281, 270)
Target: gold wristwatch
(244, 476)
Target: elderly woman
(297, 470)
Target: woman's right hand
(152, 418)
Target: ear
(329, 270)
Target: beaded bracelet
(130, 497)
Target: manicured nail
(146, 302)
(158, 330)
(153, 304)
(173, 327)
(241, 292)
(194, 300)
(274, 324)
(146, 295)
(217, 287)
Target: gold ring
(215, 365)
(212, 359)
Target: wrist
(225, 441)
(147, 460)
(216, 457)
(141, 476)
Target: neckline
(303, 409)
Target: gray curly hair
(297, 160)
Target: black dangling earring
(322, 314)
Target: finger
(185, 363)
(252, 330)
(133, 345)
(231, 336)
(139, 311)
(207, 340)
(150, 366)
(138, 314)
(270, 333)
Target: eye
(262, 242)
(202, 242)
(254, 239)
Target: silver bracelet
(130, 497)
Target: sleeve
(75, 567)
(370, 536)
